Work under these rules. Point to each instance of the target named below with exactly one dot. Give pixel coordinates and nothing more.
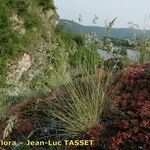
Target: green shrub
(46, 4)
(86, 58)
(5, 26)
(20, 5)
(9, 40)
(31, 20)
(79, 39)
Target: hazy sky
(125, 11)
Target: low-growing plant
(130, 130)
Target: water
(131, 54)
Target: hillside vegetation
(101, 31)
(54, 85)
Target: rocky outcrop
(34, 65)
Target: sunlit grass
(83, 107)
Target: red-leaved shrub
(131, 96)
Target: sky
(137, 11)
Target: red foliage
(131, 94)
(95, 132)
